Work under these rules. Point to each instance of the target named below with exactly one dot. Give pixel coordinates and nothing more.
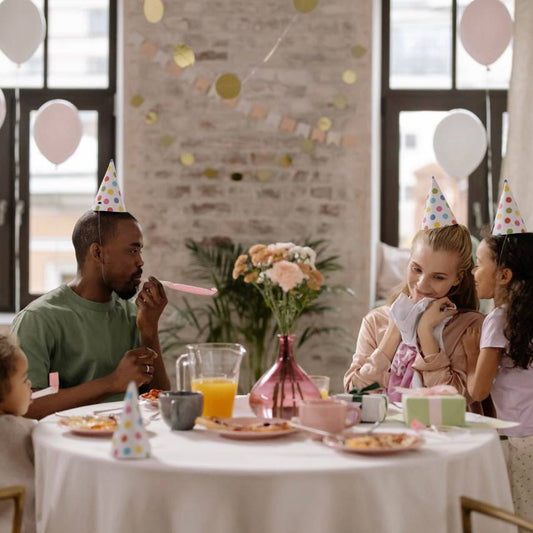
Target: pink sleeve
(369, 363)
(492, 335)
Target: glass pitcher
(213, 369)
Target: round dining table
(199, 482)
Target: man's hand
(150, 302)
(136, 365)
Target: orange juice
(324, 393)
(219, 394)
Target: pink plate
(411, 442)
(252, 435)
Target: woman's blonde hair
(455, 239)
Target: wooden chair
(17, 495)
(468, 505)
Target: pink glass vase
(280, 389)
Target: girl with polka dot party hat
(500, 353)
(415, 340)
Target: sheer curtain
(518, 164)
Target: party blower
(191, 289)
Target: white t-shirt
(512, 390)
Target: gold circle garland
(183, 56)
(305, 6)
(228, 86)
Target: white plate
(413, 443)
(69, 422)
(251, 435)
(75, 425)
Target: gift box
(373, 406)
(446, 410)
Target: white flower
(303, 254)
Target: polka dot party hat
(109, 197)
(508, 219)
(437, 212)
(130, 440)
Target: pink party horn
(191, 289)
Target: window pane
(420, 44)
(58, 196)
(472, 75)
(417, 165)
(29, 74)
(78, 49)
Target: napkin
(406, 314)
(130, 440)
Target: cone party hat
(109, 197)
(437, 212)
(130, 440)
(508, 219)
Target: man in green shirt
(88, 331)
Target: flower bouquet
(286, 276)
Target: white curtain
(518, 164)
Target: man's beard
(126, 294)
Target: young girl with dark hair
(500, 355)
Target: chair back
(17, 495)
(468, 506)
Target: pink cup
(329, 415)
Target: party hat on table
(109, 197)
(130, 440)
(508, 219)
(437, 212)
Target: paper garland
(206, 85)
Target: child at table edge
(16, 450)
(500, 355)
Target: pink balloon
(57, 130)
(485, 30)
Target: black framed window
(76, 62)
(426, 73)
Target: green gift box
(434, 410)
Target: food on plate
(382, 441)
(91, 423)
(151, 395)
(250, 426)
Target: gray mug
(180, 409)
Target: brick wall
(321, 192)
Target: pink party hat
(109, 197)
(437, 212)
(130, 440)
(508, 219)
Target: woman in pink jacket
(440, 268)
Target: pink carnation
(287, 275)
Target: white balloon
(22, 29)
(57, 130)
(2, 108)
(460, 143)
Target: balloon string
(272, 50)
(19, 204)
(490, 199)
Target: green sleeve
(35, 340)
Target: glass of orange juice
(214, 371)
(322, 384)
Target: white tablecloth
(197, 482)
